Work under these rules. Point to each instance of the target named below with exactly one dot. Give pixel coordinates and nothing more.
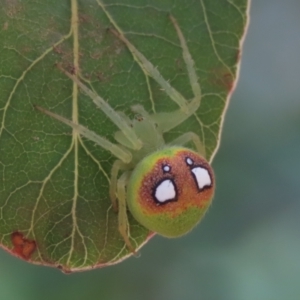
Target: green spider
(166, 187)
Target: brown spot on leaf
(150, 235)
(101, 77)
(96, 55)
(25, 50)
(83, 18)
(12, 8)
(64, 269)
(58, 49)
(221, 77)
(72, 70)
(179, 64)
(5, 26)
(23, 247)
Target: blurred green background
(248, 245)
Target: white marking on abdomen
(166, 168)
(189, 161)
(165, 191)
(202, 177)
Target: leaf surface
(54, 204)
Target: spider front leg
(148, 68)
(188, 61)
(189, 137)
(168, 120)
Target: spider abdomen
(170, 190)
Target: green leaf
(54, 203)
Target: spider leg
(147, 66)
(167, 121)
(122, 154)
(115, 117)
(189, 137)
(122, 215)
(140, 110)
(150, 70)
(117, 166)
(190, 65)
